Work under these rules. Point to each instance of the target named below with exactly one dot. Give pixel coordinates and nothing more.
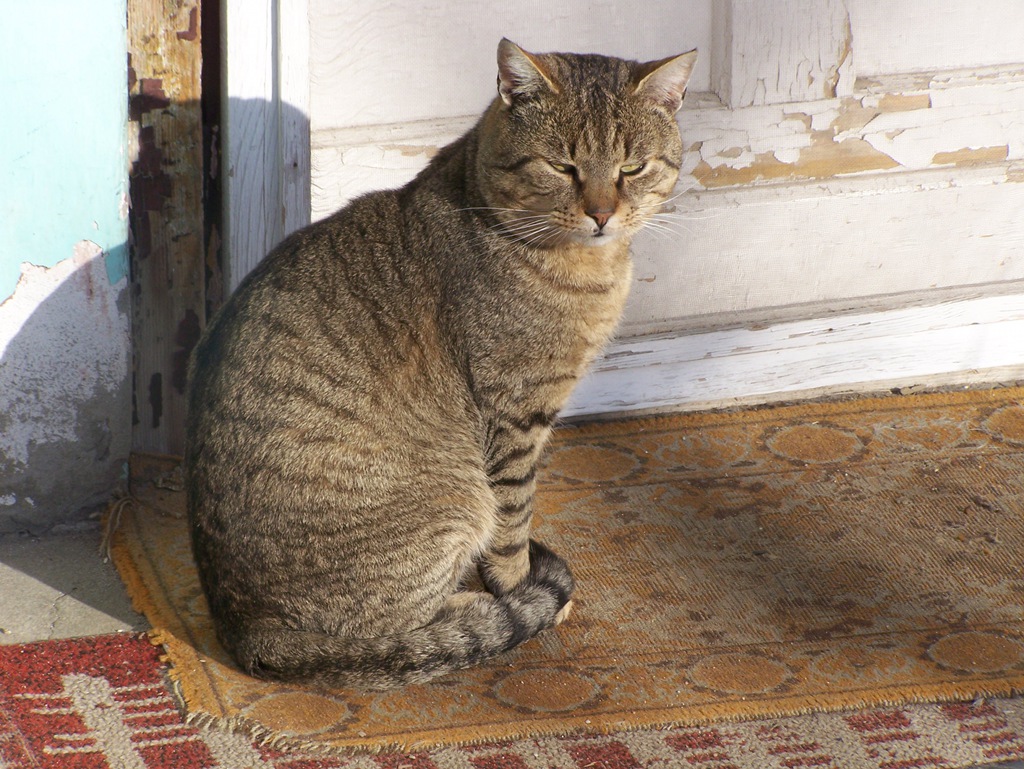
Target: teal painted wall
(65, 346)
(63, 115)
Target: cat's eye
(631, 169)
(562, 168)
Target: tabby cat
(367, 411)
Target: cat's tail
(469, 629)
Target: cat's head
(580, 148)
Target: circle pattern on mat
(1007, 424)
(592, 463)
(739, 674)
(284, 711)
(977, 652)
(546, 691)
(815, 444)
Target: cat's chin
(599, 239)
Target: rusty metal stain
(152, 187)
(156, 399)
(167, 252)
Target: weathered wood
(969, 341)
(166, 216)
(783, 207)
(782, 51)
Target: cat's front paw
(563, 613)
(548, 569)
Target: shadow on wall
(65, 395)
(66, 334)
(175, 288)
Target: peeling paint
(900, 122)
(168, 254)
(58, 323)
(821, 160)
(899, 102)
(412, 150)
(64, 363)
(968, 155)
(192, 33)
(946, 121)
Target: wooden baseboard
(967, 341)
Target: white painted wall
(398, 62)
(843, 157)
(930, 35)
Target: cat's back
(337, 324)
(343, 277)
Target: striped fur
(367, 411)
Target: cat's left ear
(664, 81)
(521, 74)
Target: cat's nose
(601, 217)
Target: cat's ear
(664, 81)
(521, 74)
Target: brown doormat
(735, 565)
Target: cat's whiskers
(525, 231)
(671, 223)
(498, 209)
(553, 237)
(528, 226)
(535, 230)
(659, 230)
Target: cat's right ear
(521, 74)
(664, 81)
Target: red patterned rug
(100, 702)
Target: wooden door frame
(252, 149)
(167, 251)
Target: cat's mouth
(599, 236)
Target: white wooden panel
(922, 35)
(781, 51)
(978, 340)
(250, 135)
(293, 105)
(751, 248)
(750, 252)
(349, 162)
(390, 62)
(266, 128)
(737, 254)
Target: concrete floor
(59, 586)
